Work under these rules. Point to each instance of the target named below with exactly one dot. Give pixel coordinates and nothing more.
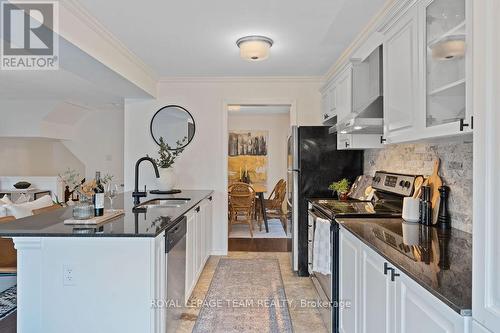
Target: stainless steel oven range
(391, 188)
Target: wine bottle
(98, 196)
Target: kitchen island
(110, 277)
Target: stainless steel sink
(164, 203)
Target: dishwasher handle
(175, 234)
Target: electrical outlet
(69, 278)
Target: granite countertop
(143, 222)
(440, 261)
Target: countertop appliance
(391, 189)
(175, 247)
(313, 163)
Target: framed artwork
(247, 160)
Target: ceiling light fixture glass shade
(254, 48)
(449, 48)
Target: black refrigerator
(313, 163)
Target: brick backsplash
(455, 170)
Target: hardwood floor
(260, 244)
(9, 323)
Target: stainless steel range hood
(367, 116)
(370, 120)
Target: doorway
(256, 159)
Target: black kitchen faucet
(137, 194)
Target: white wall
(278, 127)
(98, 143)
(43, 138)
(36, 157)
(202, 165)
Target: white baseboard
(218, 253)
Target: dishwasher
(175, 248)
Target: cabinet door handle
(393, 274)
(197, 209)
(325, 116)
(387, 268)
(382, 140)
(463, 124)
(346, 144)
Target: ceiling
(80, 80)
(197, 38)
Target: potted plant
(341, 187)
(166, 161)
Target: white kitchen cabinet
(198, 242)
(329, 104)
(486, 193)
(418, 311)
(377, 294)
(478, 328)
(324, 106)
(160, 284)
(427, 81)
(384, 299)
(400, 59)
(358, 141)
(366, 80)
(349, 266)
(343, 84)
(446, 67)
(206, 210)
(190, 253)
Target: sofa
(9, 212)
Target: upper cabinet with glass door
(445, 59)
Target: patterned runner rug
(246, 295)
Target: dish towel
(321, 247)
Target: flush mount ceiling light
(449, 48)
(254, 48)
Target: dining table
(260, 190)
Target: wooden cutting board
(434, 181)
(417, 186)
(109, 214)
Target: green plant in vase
(341, 187)
(166, 161)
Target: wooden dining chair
(8, 254)
(241, 205)
(274, 204)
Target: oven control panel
(394, 183)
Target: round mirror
(174, 124)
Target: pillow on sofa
(5, 200)
(22, 199)
(3, 210)
(43, 202)
(18, 211)
(26, 209)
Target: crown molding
(83, 30)
(379, 22)
(241, 79)
(90, 21)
